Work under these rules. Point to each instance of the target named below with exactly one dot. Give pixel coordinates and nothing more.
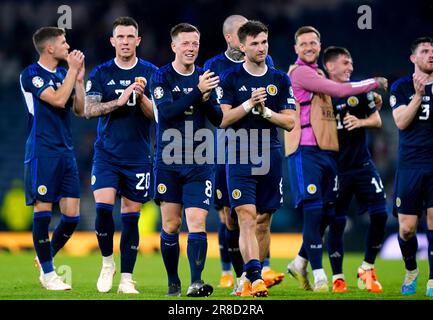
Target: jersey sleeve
(160, 89)
(286, 98)
(151, 71)
(226, 92)
(94, 83)
(269, 61)
(397, 97)
(36, 83)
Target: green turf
(19, 279)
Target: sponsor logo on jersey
(162, 188)
(236, 194)
(392, 101)
(93, 180)
(425, 99)
(42, 190)
(125, 83)
(158, 92)
(206, 202)
(272, 89)
(187, 90)
(353, 101)
(176, 89)
(111, 83)
(311, 189)
(38, 82)
(370, 96)
(243, 88)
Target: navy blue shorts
(192, 187)
(221, 198)
(413, 191)
(313, 175)
(131, 181)
(50, 179)
(264, 191)
(365, 184)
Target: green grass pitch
(19, 279)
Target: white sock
(319, 275)
(264, 269)
(108, 260)
(300, 263)
(48, 276)
(337, 276)
(367, 266)
(125, 276)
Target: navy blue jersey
(168, 88)
(354, 151)
(123, 134)
(49, 128)
(222, 62)
(415, 143)
(237, 85)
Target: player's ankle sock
(338, 276)
(232, 238)
(375, 234)
(319, 275)
(170, 255)
(41, 239)
(253, 270)
(300, 262)
(108, 260)
(63, 232)
(430, 252)
(311, 233)
(124, 276)
(129, 241)
(367, 266)
(196, 251)
(335, 244)
(226, 264)
(408, 251)
(104, 227)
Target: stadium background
(383, 50)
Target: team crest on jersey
(352, 101)
(219, 194)
(398, 202)
(392, 101)
(38, 82)
(162, 188)
(272, 89)
(88, 85)
(158, 92)
(312, 189)
(93, 180)
(42, 190)
(187, 90)
(236, 194)
(125, 83)
(220, 92)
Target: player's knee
(172, 225)
(407, 231)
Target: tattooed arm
(93, 107)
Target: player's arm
(78, 106)
(373, 121)
(284, 119)
(310, 80)
(144, 102)
(58, 98)
(93, 107)
(404, 114)
(232, 115)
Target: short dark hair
(251, 28)
(182, 27)
(332, 53)
(125, 21)
(42, 35)
(306, 29)
(418, 41)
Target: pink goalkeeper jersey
(306, 81)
